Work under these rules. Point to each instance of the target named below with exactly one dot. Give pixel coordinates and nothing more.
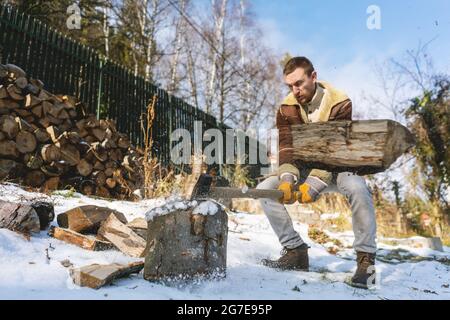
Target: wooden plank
(96, 276)
(86, 242)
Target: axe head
(204, 184)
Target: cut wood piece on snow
(19, 217)
(364, 147)
(87, 219)
(80, 240)
(139, 226)
(125, 239)
(96, 276)
(186, 243)
(45, 212)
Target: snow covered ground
(33, 270)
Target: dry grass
(237, 175)
(158, 181)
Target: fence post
(100, 87)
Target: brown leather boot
(291, 259)
(364, 277)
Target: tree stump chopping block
(186, 243)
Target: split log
(102, 192)
(70, 154)
(9, 168)
(99, 178)
(25, 142)
(37, 111)
(84, 168)
(33, 161)
(23, 125)
(54, 169)
(8, 148)
(51, 184)
(14, 71)
(21, 83)
(32, 101)
(50, 153)
(186, 243)
(80, 240)
(45, 212)
(19, 217)
(41, 135)
(139, 226)
(364, 147)
(9, 126)
(34, 178)
(96, 276)
(111, 183)
(98, 133)
(125, 239)
(87, 219)
(14, 92)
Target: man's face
(301, 85)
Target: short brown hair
(298, 62)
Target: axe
(205, 188)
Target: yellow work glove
(287, 185)
(309, 191)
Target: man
(313, 101)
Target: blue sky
(334, 35)
(338, 28)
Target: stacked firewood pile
(49, 141)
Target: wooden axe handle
(230, 193)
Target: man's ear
(314, 76)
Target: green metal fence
(106, 88)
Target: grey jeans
(352, 186)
